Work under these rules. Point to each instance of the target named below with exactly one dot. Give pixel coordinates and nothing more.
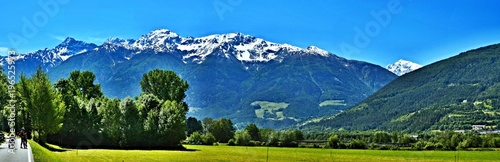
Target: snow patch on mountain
(402, 67)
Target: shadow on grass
(69, 148)
(53, 148)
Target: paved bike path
(18, 155)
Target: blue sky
(422, 31)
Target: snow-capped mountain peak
(70, 47)
(119, 41)
(52, 57)
(314, 49)
(160, 40)
(72, 44)
(68, 41)
(402, 67)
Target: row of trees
(209, 131)
(253, 136)
(425, 141)
(74, 112)
(39, 106)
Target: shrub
(429, 146)
(463, 145)
(439, 146)
(373, 146)
(195, 139)
(357, 144)
(384, 147)
(208, 139)
(419, 145)
(254, 143)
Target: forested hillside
(454, 93)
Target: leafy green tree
(130, 123)
(287, 139)
(265, 133)
(10, 97)
(298, 135)
(82, 99)
(71, 128)
(168, 90)
(495, 142)
(172, 124)
(222, 129)
(83, 84)
(405, 140)
(151, 128)
(381, 137)
(253, 130)
(4, 97)
(193, 125)
(455, 140)
(472, 140)
(207, 124)
(333, 141)
(110, 121)
(4, 83)
(273, 139)
(166, 85)
(93, 119)
(44, 104)
(148, 102)
(23, 101)
(395, 137)
(242, 138)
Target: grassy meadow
(237, 153)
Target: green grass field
(234, 153)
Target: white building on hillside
(478, 127)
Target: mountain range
(451, 94)
(241, 77)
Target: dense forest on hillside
(450, 94)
